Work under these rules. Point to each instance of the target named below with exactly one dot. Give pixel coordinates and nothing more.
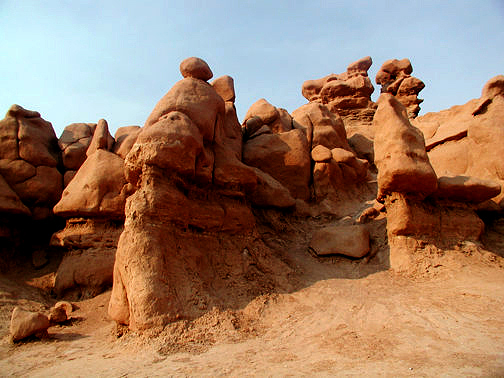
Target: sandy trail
(384, 324)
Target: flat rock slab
(351, 241)
(466, 189)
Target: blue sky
(79, 61)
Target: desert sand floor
(447, 323)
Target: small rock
(352, 241)
(57, 315)
(60, 312)
(27, 323)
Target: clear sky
(79, 61)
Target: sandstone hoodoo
(422, 209)
(189, 239)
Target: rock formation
(92, 204)
(175, 214)
(347, 94)
(465, 140)
(29, 160)
(189, 237)
(395, 78)
(421, 208)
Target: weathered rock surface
(444, 223)
(321, 126)
(321, 154)
(59, 313)
(102, 140)
(85, 271)
(351, 241)
(270, 193)
(264, 115)
(395, 78)
(400, 156)
(74, 142)
(285, 157)
(25, 323)
(9, 200)
(87, 266)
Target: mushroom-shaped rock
(26, 323)
(403, 165)
(466, 189)
(351, 241)
(196, 68)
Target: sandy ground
(372, 322)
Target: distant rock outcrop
(347, 94)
